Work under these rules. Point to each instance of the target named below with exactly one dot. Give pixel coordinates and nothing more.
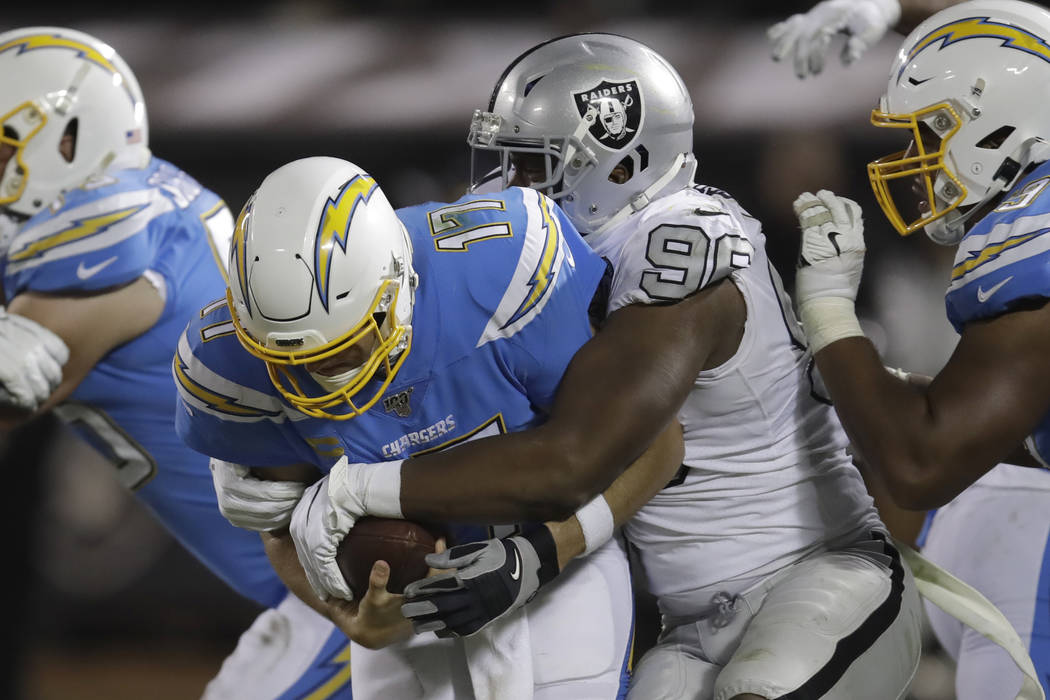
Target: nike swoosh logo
(84, 272)
(983, 296)
(516, 574)
(831, 239)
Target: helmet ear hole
(996, 139)
(67, 146)
(622, 171)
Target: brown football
(400, 543)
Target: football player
(772, 569)
(107, 251)
(969, 89)
(352, 332)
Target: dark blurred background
(107, 605)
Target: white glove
(252, 503)
(330, 507)
(804, 38)
(31, 360)
(830, 264)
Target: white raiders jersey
(766, 478)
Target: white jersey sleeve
(674, 247)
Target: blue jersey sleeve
(1005, 259)
(550, 319)
(227, 405)
(111, 232)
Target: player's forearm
(890, 422)
(281, 551)
(631, 490)
(620, 391)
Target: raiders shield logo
(615, 110)
(398, 403)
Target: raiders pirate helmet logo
(615, 111)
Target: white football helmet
(971, 84)
(54, 81)
(321, 266)
(587, 103)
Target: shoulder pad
(215, 375)
(1005, 258)
(675, 247)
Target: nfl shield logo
(615, 110)
(398, 403)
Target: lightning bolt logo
(33, 42)
(990, 253)
(335, 228)
(339, 681)
(980, 28)
(543, 276)
(224, 404)
(81, 229)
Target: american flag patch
(133, 136)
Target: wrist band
(596, 521)
(827, 319)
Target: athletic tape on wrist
(827, 319)
(543, 542)
(596, 521)
(381, 489)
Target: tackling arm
(620, 390)
(483, 581)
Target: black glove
(488, 580)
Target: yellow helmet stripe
(981, 28)
(81, 228)
(53, 41)
(238, 254)
(335, 228)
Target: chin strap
(684, 164)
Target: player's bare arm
(621, 389)
(90, 326)
(926, 443)
(929, 444)
(478, 583)
(631, 490)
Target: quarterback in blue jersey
(354, 335)
(107, 252)
(971, 87)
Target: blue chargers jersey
(1005, 260)
(501, 308)
(159, 222)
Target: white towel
(500, 659)
(968, 606)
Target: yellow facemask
(905, 168)
(387, 338)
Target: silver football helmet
(589, 105)
(971, 88)
(321, 274)
(55, 81)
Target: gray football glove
(488, 580)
